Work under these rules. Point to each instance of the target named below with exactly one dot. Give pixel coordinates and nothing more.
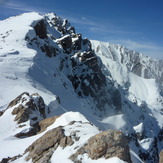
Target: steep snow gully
(77, 94)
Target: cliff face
(139, 79)
(56, 38)
(137, 63)
(44, 137)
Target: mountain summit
(64, 98)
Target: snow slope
(16, 59)
(84, 130)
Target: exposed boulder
(40, 29)
(108, 144)
(42, 149)
(80, 151)
(43, 124)
(66, 141)
(22, 114)
(66, 42)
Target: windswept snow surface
(16, 59)
(139, 128)
(115, 122)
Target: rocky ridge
(57, 38)
(106, 145)
(103, 79)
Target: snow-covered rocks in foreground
(66, 138)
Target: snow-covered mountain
(87, 87)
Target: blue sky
(136, 24)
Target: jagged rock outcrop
(106, 145)
(109, 144)
(43, 124)
(89, 75)
(40, 29)
(42, 149)
(30, 108)
(57, 38)
(25, 105)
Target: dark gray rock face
(40, 29)
(1, 113)
(41, 33)
(49, 50)
(57, 38)
(66, 42)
